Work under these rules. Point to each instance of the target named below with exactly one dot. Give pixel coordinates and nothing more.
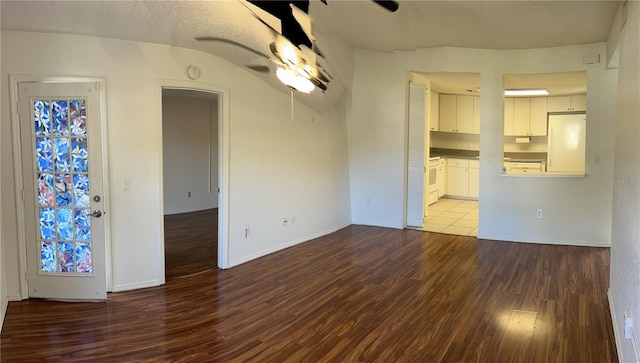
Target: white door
(415, 159)
(63, 193)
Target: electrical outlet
(628, 324)
(292, 219)
(539, 214)
(189, 194)
(285, 221)
(125, 185)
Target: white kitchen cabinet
(567, 103)
(457, 113)
(458, 177)
(538, 120)
(434, 111)
(524, 116)
(474, 178)
(442, 177)
(464, 113)
(508, 116)
(476, 115)
(521, 116)
(448, 113)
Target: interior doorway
(191, 175)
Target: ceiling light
(292, 79)
(526, 92)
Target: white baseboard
(614, 322)
(283, 246)
(136, 285)
(14, 297)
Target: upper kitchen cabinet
(524, 116)
(571, 103)
(434, 110)
(454, 102)
(476, 115)
(457, 113)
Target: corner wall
(624, 294)
(576, 210)
(276, 169)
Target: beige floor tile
(465, 223)
(449, 214)
(461, 209)
(437, 206)
(435, 212)
(433, 227)
(442, 220)
(461, 231)
(471, 217)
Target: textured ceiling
(363, 24)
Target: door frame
(223, 163)
(18, 162)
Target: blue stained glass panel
(80, 155)
(63, 190)
(78, 116)
(47, 223)
(60, 120)
(48, 259)
(61, 154)
(44, 156)
(82, 219)
(83, 257)
(65, 257)
(81, 190)
(42, 118)
(65, 223)
(46, 196)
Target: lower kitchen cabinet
(442, 177)
(463, 178)
(474, 178)
(458, 177)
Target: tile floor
(453, 216)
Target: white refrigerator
(566, 143)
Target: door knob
(96, 213)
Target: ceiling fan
(294, 50)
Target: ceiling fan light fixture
(290, 78)
(526, 92)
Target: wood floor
(191, 243)
(362, 294)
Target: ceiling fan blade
(207, 38)
(316, 82)
(392, 6)
(259, 68)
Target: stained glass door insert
(62, 179)
(64, 228)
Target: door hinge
(22, 194)
(97, 86)
(26, 275)
(18, 107)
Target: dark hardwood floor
(190, 243)
(360, 294)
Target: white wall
(576, 210)
(188, 142)
(4, 167)
(276, 169)
(624, 293)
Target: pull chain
(291, 88)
